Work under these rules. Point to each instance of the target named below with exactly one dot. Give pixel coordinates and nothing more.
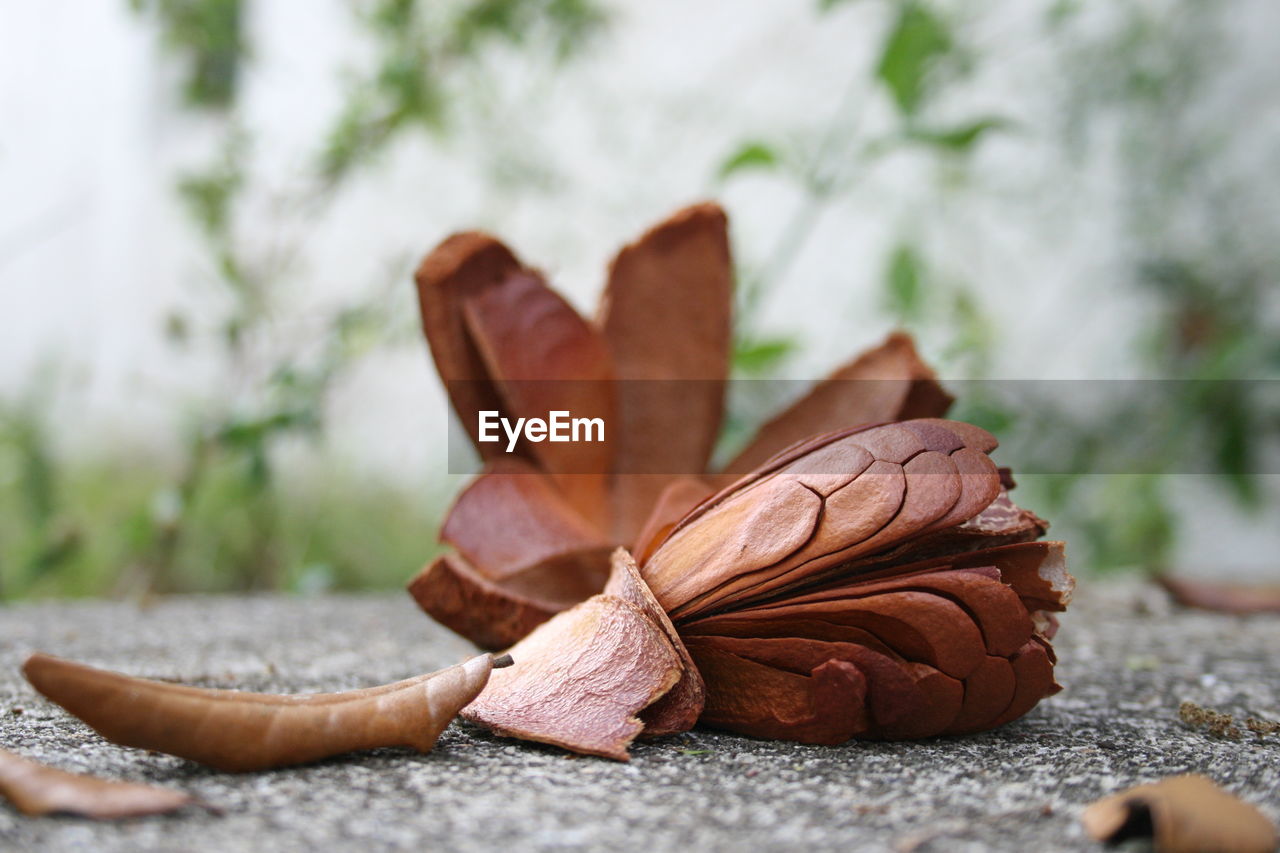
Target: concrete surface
(1127, 660)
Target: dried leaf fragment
(1224, 597)
(237, 731)
(36, 789)
(1182, 814)
(581, 679)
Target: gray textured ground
(1126, 658)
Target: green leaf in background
(903, 283)
(759, 356)
(917, 39)
(751, 155)
(960, 138)
(828, 5)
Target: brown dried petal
(35, 789)
(887, 383)
(543, 357)
(580, 680)
(486, 613)
(665, 315)
(1182, 814)
(675, 502)
(462, 266)
(511, 517)
(826, 705)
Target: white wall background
(95, 251)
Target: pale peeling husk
(581, 680)
(678, 710)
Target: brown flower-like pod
(36, 789)
(235, 731)
(861, 571)
(582, 679)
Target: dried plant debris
(1262, 726)
(858, 570)
(237, 731)
(1217, 723)
(35, 789)
(1183, 814)
(1224, 597)
(1224, 725)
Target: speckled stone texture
(1127, 660)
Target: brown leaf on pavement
(237, 731)
(1223, 597)
(36, 789)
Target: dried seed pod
(236, 731)
(36, 789)
(853, 577)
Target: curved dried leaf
(581, 679)
(665, 316)
(36, 789)
(1182, 814)
(888, 383)
(1223, 597)
(235, 731)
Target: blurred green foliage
(224, 517)
(208, 35)
(1204, 268)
